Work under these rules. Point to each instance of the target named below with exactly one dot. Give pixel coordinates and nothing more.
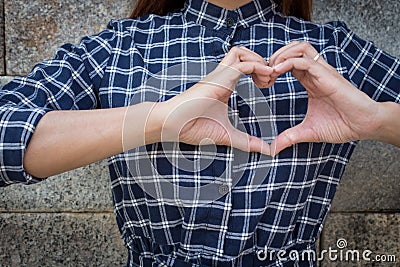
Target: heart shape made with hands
(337, 112)
(201, 115)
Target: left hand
(337, 111)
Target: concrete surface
(35, 29)
(379, 233)
(371, 181)
(2, 60)
(60, 239)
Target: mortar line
(111, 211)
(366, 212)
(320, 243)
(56, 212)
(4, 37)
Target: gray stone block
(60, 240)
(373, 20)
(1, 38)
(35, 29)
(379, 233)
(371, 181)
(84, 189)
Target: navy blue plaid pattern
(104, 71)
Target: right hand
(200, 114)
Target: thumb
(289, 137)
(248, 143)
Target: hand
(200, 114)
(337, 111)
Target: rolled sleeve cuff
(16, 128)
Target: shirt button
(230, 22)
(223, 189)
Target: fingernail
(277, 66)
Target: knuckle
(304, 45)
(235, 49)
(307, 45)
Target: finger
(248, 143)
(280, 50)
(258, 145)
(291, 136)
(261, 82)
(299, 50)
(290, 64)
(261, 70)
(241, 54)
(227, 76)
(315, 69)
(261, 59)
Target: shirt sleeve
(69, 81)
(370, 69)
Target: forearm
(389, 123)
(65, 140)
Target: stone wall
(68, 220)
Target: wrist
(141, 125)
(386, 129)
(153, 123)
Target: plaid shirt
(105, 70)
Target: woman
(286, 211)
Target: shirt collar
(212, 16)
